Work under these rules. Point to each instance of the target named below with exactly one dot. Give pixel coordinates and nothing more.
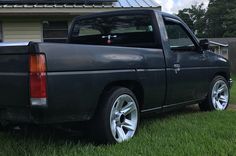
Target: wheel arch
(222, 73)
(135, 86)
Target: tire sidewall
(108, 105)
(216, 79)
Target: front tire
(218, 95)
(118, 117)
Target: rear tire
(117, 119)
(218, 95)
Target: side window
(122, 30)
(178, 37)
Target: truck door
(186, 65)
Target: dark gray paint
(76, 80)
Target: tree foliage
(217, 20)
(194, 17)
(230, 20)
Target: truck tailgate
(14, 86)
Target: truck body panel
(14, 76)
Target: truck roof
(125, 11)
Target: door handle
(176, 68)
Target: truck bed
(76, 76)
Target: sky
(172, 6)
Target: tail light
(38, 78)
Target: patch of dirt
(232, 107)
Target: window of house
(124, 30)
(55, 31)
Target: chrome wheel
(220, 95)
(123, 118)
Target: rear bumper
(38, 115)
(230, 83)
(21, 115)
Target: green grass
(233, 91)
(189, 132)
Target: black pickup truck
(115, 66)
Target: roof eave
(63, 10)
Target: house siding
(22, 31)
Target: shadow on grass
(58, 135)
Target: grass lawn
(233, 91)
(188, 132)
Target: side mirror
(204, 44)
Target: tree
(218, 20)
(215, 18)
(186, 17)
(230, 20)
(194, 17)
(221, 20)
(199, 21)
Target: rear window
(128, 30)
